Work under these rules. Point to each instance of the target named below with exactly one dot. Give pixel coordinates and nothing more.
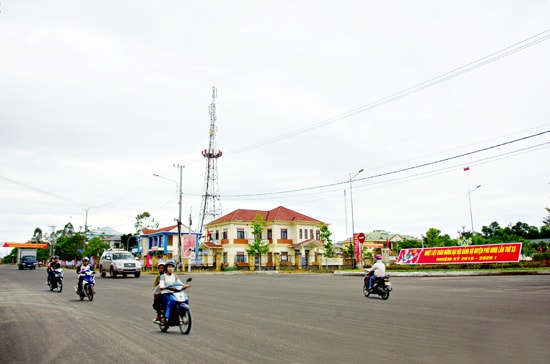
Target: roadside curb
(453, 274)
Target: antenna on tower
(211, 206)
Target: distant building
(107, 235)
(378, 239)
(293, 236)
(164, 242)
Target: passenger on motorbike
(157, 298)
(52, 266)
(167, 279)
(82, 268)
(378, 270)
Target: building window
(284, 256)
(301, 234)
(317, 235)
(311, 234)
(217, 235)
(240, 258)
(240, 233)
(224, 234)
(284, 234)
(269, 234)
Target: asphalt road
(279, 318)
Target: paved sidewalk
(455, 273)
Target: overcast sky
(96, 96)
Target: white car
(119, 261)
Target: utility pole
(85, 231)
(194, 252)
(180, 167)
(52, 237)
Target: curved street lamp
(470, 203)
(178, 189)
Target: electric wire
(394, 171)
(495, 56)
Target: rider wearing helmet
(157, 298)
(81, 268)
(52, 266)
(167, 279)
(378, 270)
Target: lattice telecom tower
(211, 207)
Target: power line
(398, 170)
(502, 53)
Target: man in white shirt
(378, 269)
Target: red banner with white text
(491, 253)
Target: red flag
(466, 169)
(387, 243)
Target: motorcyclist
(167, 279)
(157, 297)
(82, 268)
(378, 270)
(52, 266)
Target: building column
(298, 259)
(251, 260)
(218, 258)
(277, 260)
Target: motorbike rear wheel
(185, 321)
(90, 293)
(59, 286)
(366, 291)
(385, 295)
(163, 325)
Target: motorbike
(88, 283)
(381, 286)
(180, 312)
(56, 281)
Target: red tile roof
(277, 214)
(152, 231)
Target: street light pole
(352, 218)
(180, 167)
(470, 203)
(179, 190)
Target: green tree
(145, 221)
(43, 254)
(410, 244)
(434, 239)
(348, 250)
(69, 247)
(68, 230)
(11, 257)
(325, 238)
(37, 235)
(258, 247)
(95, 247)
(546, 220)
(129, 241)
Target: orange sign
(26, 245)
